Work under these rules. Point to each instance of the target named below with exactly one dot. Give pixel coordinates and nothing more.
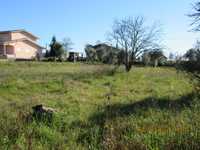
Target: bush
(190, 66)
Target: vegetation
(102, 53)
(56, 50)
(67, 44)
(191, 60)
(156, 56)
(147, 108)
(133, 37)
(196, 16)
(91, 53)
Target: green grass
(147, 108)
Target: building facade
(19, 44)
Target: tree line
(58, 50)
(132, 40)
(129, 40)
(193, 55)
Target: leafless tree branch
(132, 36)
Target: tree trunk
(128, 67)
(128, 63)
(155, 62)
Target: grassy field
(148, 108)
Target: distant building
(103, 46)
(19, 44)
(106, 53)
(75, 56)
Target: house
(106, 53)
(19, 44)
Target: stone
(42, 113)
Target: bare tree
(67, 44)
(133, 37)
(196, 16)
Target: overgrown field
(148, 108)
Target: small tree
(56, 49)
(67, 46)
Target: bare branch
(196, 17)
(134, 37)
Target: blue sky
(87, 21)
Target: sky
(88, 21)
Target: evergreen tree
(56, 49)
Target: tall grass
(148, 108)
